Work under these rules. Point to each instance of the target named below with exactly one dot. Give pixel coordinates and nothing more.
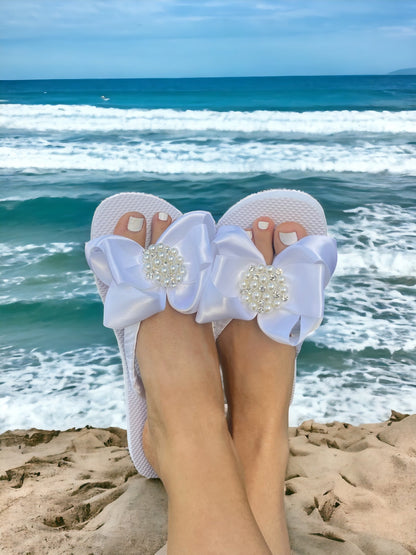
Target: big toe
(287, 234)
(160, 222)
(263, 237)
(133, 226)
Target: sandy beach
(349, 490)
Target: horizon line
(392, 74)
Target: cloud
(399, 30)
(205, 36)
(42, 19)
(50, 18)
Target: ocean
(204, 144)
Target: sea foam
(360, 393)
(29, 254)
(192, 157)
(61, 390)
(85, 387)
(96, 119)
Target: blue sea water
(204, 144)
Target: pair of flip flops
(212, 271)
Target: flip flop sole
(282, 205)
(104, 221)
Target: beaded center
(263, 288)
(164, 265)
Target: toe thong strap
(287, 297)
(140, 280)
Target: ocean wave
(361, 391)
(225, 157)
(363, 314)
(380, 262)
(60, 390)
(60, 286)
(84, 118)
(379, 239)
(370, 299)
(47, 389)
(29, 254)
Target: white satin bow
(118, 263)
(307, 267)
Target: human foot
(258, 378)
(181, 338)
(136, 282)
(255, 351)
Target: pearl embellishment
(164, 265)
(263, 288)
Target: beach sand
(349, 490)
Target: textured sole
(282, 205)
(104, 221)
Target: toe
(133, 226)
(287, 234)
(263, 237)
(160, 222)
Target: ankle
(257, 422)
(256, 444)
(189, 425)
(180, 448)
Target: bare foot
(258, 379)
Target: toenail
(288, 238)
(163, 216)
(135, 224)
(263, 225)
(249, 233)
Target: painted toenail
(288, 238)
(249, 233)
(263, 225)
(163, 216)
(135, 224)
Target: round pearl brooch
(263, 288)
(164, 265)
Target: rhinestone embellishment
(164, 265)
(263, 288)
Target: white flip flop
(281, 205)
(105, 254)
(286, 297)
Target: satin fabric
(307, 267)
(118, 262)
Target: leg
(258, 377)
(187, 436)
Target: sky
(58, 39)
